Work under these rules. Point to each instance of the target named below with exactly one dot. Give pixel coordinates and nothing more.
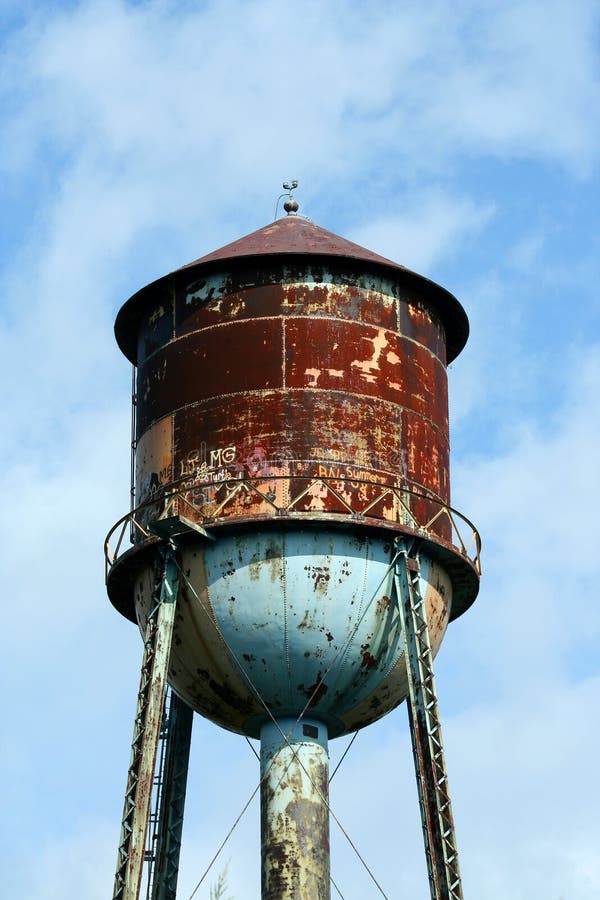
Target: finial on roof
(290, 205)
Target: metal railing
(413, 510)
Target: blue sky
(462, 140)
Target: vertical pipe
(294, 810)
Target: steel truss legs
(172, 784)
(425, 729)
(147, 727)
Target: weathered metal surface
(159, 617)
(294, 768)
(154, 459)
(449, 537)
(156, 324)
(291, 619)
(238, 358)
(312, 291)
(293, 235)
(173, 781)
(425, 726)
(294, 240)
(309, 375)
(292, 354)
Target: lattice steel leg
(426, 732)
(146, 730)
(172, 801)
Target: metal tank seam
(283, 354)
(292, 390)
(286, 634)
(292, 316)
(340, 666)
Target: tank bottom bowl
(294, 619)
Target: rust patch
(320, 576)
(242, 356)
(315, 692)
(383, 604)
(418, 321)
(368, 660)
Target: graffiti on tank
(360, 457)
(207, 464)
(349, 474)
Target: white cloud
(519, 80)
(143, 86)
(527, 250)
(73, 867)
(535, 506)
(425, 232)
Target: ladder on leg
(172, 782)
(151, 851)
(425, 727)
(147, 726)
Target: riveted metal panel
(157, 322)
(154, 460)
(220, 298)
(416, 320)
(427, 454)
(238, 357)
(266, 433)
(343, 389)
(355, 358)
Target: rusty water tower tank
(292, 411)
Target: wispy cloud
(428, 229)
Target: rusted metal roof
(296, 238)
(293, 234)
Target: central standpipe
(294, 810)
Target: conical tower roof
(294, 236)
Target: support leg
(146, 731)
(426, 731)
(173, 780)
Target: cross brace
(426, 731)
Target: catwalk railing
(211, 504)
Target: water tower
(293, 560)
